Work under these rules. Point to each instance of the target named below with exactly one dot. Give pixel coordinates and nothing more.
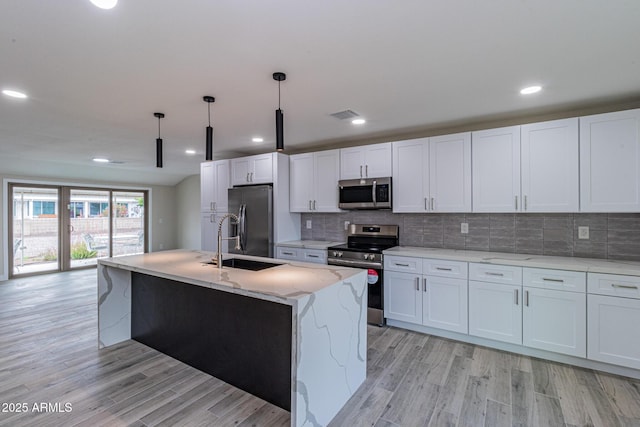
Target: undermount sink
(247, 264)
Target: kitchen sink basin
(247, 264)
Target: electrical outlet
(308, 224)
(346, 225)
(583, 232)
(464, 227)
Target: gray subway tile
(623, 223)
(528, 221)
(477, 243)
(558, 221)
(558, 234)
(558, 248)
(502, 220)
(529, 246)
(629, 252)
(502, 245)
(593, 221)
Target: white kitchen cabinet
(549, 166)
(555, 321)
(444, 303)
(214, 182)
(209, 232)
(256, 169)
(316, 256)
(610, 162)
(495, 302)
(314, 181)
(613, 319)
(403, 296)
(495, 311)
(432, 174)
(367, 161)
(495, 158)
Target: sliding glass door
(63, 228)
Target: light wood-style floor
(48, 354)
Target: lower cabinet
(209, 232)
(613, 319)
(495, 311)
(403, 297)
(444, 303)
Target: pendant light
(159, 142)
(209, 146)
(279, 77)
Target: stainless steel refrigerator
(254, 207)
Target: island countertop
(288, 282)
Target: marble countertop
(309, 244)
(591, 265)
(286, 283)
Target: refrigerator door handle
(242, 227)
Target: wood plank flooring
(49, 354)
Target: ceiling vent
(345, 115)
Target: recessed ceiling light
(531, 89)
(100, 160)
(358, 121)
(190, 151)
(105, 4)
(257, 139)
(14, 93)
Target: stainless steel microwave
(369, 193)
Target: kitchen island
(293, 334)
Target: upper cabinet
(313, 181)
(432, 174)
(495, 155)
(214, 182)
(367, 161)
(529, 168)
(549, 166)
(610, 162)
(256, 169)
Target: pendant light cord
(158, 127)
(209, 111)
(278, 94)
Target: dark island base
(243, 341)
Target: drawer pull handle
(401, 265)
(313, 256)
(624, 286)
(546, 279)
(488, 273)
(444, 269)
(288, 253)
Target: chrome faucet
(220, 238)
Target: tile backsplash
(613, 236)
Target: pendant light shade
(158, 142)
(209, 133)
(279, 77)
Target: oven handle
(356, 264)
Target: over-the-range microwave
(368, 193)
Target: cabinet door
(450, 173)
(240, 171)
(555, 321)
(402, 297)
(445, 303)
(221, 185)
(410, 175)
(495, 311)
(261, 169)
(495, 158)
(301, 174)
(610, 162)
(286, 252)
(207, 187)
(614, 336)
(377, 160)
(209, 232)
(549, 166)
(326, 171)
(352, 163)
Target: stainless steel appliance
(254, 207)
(363, 249)
(369, 193)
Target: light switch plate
(464, 227)
(583, 232)
(308, 224)
(346, 225)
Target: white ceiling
(95, 77)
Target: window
(76, 210)
(98, 209)
(43, 208)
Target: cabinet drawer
(403, 264)
(317, 256)
(284, 252)
(437, 267)
(614, 285)
(505, 274)
(563, 280)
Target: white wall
(188, 213)
(162, 219)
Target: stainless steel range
(365, 243)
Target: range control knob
(339, 254)
(335, 254)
